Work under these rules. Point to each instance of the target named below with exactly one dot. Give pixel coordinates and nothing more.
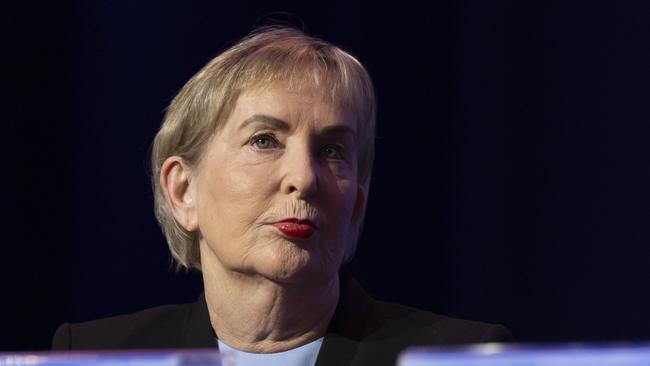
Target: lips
(294, 228)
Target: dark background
(511, 181)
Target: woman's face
(276, 191)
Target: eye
(333, 152)
(264, 141)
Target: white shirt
(304, 355)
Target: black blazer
(363, 331)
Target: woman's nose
(300, 173)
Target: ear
(176, 183)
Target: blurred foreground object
(136, 358)
(493, 354)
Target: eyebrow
(272, 121)
(339, 130)
(284, 126)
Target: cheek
(233, 200)
(341, 201)
(343, 177)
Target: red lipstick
(294, 228)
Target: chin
(296, 267)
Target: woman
(261, 171)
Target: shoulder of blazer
(365, 331)
(392, 328)
(167, 326)
(388, 321)
(374, 320)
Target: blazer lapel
(347, 327)
(336, 350)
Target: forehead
(293, 105)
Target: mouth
(296, 229)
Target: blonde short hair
(267, 56)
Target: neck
(254, 314)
